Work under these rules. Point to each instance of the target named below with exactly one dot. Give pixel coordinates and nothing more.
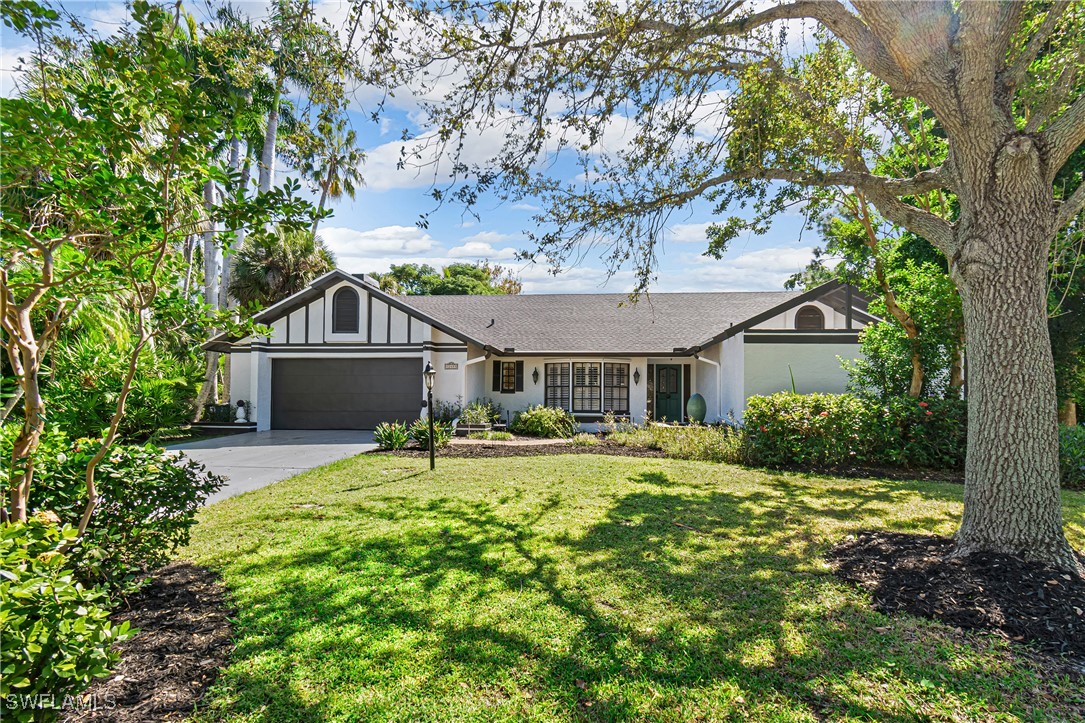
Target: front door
(668, 393)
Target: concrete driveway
(256, 459)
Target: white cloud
(481, 250)
(350, 245)
(525, 207)
(688, 232)
(490, 237)
(761, 270)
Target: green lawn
(589, 587)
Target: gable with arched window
(345, 311)
(809, 318)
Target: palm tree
(337, 170)
(273, 266)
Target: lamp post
(429, 375)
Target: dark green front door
(668, 393)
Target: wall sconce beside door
(636, 376)
(535, 375)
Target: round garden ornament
(696, 408)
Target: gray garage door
(344, 393)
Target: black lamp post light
(430, 375)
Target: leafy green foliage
(271, 267)
(57, 636)
(492, 436)
(481, 412)
(482, 279)
(541, 421)
(391, 435)
(1072, 455)
(708, 443)
(148, 499)
(419, 432)
(584, 440)
(831, 430)
(88, 373)
(447, 411)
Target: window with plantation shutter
(345, 313)
(557, 385)
(616, 388)
(587, 386)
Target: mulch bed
(1021, 600)
(183, 641)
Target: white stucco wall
(815, 366)
(733, 359)
(240, 377)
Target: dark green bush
(830, 430)
(1072, 455)
(709, 443)
(543, 421)
(147, 506)
(391, 435)
(56, 636)
(442, 433)
(82, 391)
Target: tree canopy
(662, 103)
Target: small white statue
(240, 418)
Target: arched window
(345, 312)
(809, 318)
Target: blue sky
(379, 226)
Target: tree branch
(1065, 135)
(922, 223)
(1014, 74)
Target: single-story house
(342, 354)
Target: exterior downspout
(719, 384)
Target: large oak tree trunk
(1011, 493)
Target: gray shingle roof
(585, 323)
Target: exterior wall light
(535, 375)
(636, 375)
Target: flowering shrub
(391, 435)
(829, 430)
(709, 443)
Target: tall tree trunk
(25, 357)
(211, 287)
(271, 137)
(323, 200)
(1011, 492)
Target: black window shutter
(519, 376)
(345, 312)
(497, 376)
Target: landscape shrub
(56, 634)
(1072, 455)
(547, 422)
(447, 411)
(710, 443)
(481, 412)
(148, 499)
(491, 436)
(584, 440)
(87, 376)
(391, 435)
(828, 430)
(419, 432)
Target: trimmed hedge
(832, 430)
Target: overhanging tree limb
(1065, 135)
(1070, 208)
